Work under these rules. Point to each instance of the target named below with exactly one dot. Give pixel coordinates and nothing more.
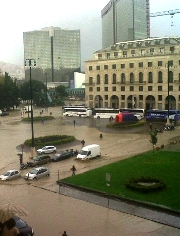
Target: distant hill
(15, 71)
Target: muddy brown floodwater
(49, 212)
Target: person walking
(150, 126)
(73, 169)
(64, 234)
(82, 142)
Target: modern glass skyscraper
(56, 51)
(125, 20)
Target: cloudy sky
(18, 16)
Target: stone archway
(150, 102)
(172, 103)
(131, 101)
(98, 102)
(114, 102)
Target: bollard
(100, 136)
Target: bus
(135, 111)
(162, 115)
(77, 111)
(109, 113)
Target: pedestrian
(73, 169)
(42, 120)
(150, 126)
(82, 142)
(74, 122)
(64, 234)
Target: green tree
(153, 139)
(61, 91)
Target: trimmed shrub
(145, 184)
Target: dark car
(23, 227)
(4, 113)
(41, 159)
(62, 155)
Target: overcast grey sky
(18, 16)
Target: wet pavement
(50, 213)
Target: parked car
(62, 155)
(23, 227)
(37, 173)
(10, 175)
(41, 159)
(47, 149)
(4, 113)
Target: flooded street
(49, 212)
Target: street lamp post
(169, 64)
(46, 93)
(30, 63)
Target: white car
(37, 173)
(47, 149)
(10, 174)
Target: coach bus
(162, 115)
(77, 111)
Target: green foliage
(61, 91)
(38, 118)
(144, 164)
(50, 140)
(125, 125)
(145, 184)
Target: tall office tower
(125, 20)
(56, 52)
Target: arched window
(123, 78)
(106, 79)
(160, 77)
(140, 77)
(114, 79)
(131, 78)
(98, 79)
(150, 77)
(170, 77)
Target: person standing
(150, 126)
(73, 169)
(82, 142)
(64, 234)
(74, 122)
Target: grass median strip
(162, 165)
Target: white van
(90, 151)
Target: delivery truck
(90, 151)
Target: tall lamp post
(29, 63)
(169, 64)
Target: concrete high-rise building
(125, 20)
(56, 52)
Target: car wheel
(47, 175)
(35, 178)
(54, 151)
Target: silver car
(47, 149)
(37, 173)
(10, 175)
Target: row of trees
(11, 94)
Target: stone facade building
(141, 73)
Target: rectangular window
(150, 88)
(108, 55)
(140, 97)
(179, 62)
(131, 88)
(150, 64)
(131, 65)
(122, 97)
(170, 88)
(122, 66)
(159, 63)
(105, 67)
(179, 97)
(90, 68)
(159, 97)
(151, 50)
(99, 56)
(124, 53)
(116, 54)
(106, 97)
(98, 89)
(171, 49)
(133, 52)
(114, 66)
(90, 97)
(159, 88)
(140, 88)
(97, 67)
(90, 89)
(90, 80)
(122, 88)
(106, 89)
(179, 88)
(140, 64)
(113, 88)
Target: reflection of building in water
(56, 51)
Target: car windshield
(33, 171)
(20, 224)
(36, 158)
(82, 152)
(44, 148)
(7, 173)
